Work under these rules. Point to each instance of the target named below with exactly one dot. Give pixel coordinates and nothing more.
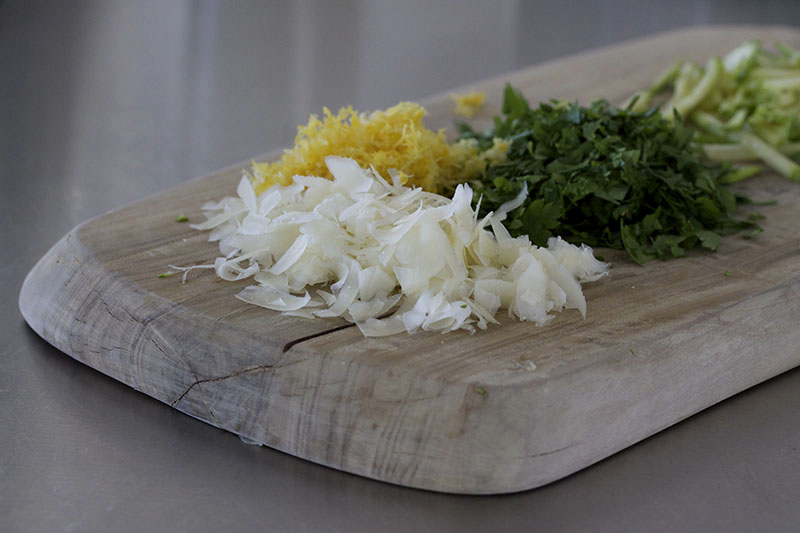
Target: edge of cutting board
(454, 413)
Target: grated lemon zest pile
(467, 104)
(395, 138)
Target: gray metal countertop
(105, 103)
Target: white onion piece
(271, 298)
(578, 260)
(512, 204)
(230, 270)
(247, 194)
(217, 220)
(291, 256)
(368, 248)
(373, 327)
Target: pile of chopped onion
(388, 257)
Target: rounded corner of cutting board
(42, 288)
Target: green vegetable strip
(791, 57)
(641, 101)
(740, 174)
(767, 72)
(700, 91)
(711, 124)
(740, 152)
(687, 78)
(779, 84)
(785, 166)
(737, 120)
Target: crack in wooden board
(289, 345)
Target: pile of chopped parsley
(607, 177)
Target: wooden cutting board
(458, 412)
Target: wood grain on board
(502, 410)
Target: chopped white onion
(366, 248)
(512, 204)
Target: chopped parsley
(607, 177)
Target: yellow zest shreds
(497, 154)
(473, 162)
(392, 139)
(467, 104)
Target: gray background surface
(105, 103)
